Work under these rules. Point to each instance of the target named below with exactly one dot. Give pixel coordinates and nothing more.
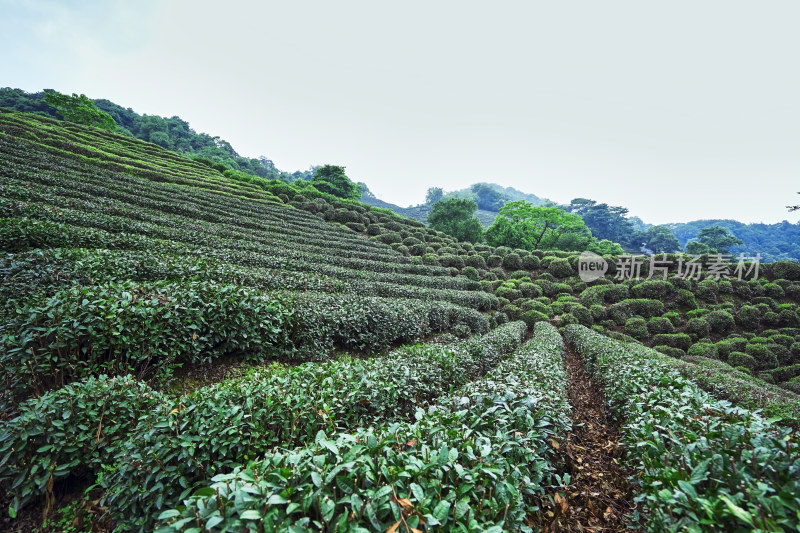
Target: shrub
(512, 261)
(762, 354)
(708, 290)
(512, 312)
(533, 316)
(720, 321)
(675, 340)
(794, 349)
(560, 268)
(686, 299)
(749, 317)
(494, 261)
(476, 261)
(788, 318)
(452, 261)
(654, 289)
(567, 319)
(499, 273)
(675, 317)
(582, 314)
(771, 319)
(530, 290)
(698, 328)
(785, 373)
(515, 439)
(671, 351)
(509, 291)
(163, 323)
(732, 344)
(786, 270)
(773, 290)
(531, 262)
(625, 309)
(659, 324)
(621, 337)
(470, 273)
(61, 434)
(636, 327)
(389, 237)
(703, 349)
(781, 353)
(598, 312)
(740, 359)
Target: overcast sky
(677, 110)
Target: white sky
(677, 110)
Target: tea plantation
(190, 348)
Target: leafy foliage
(496, 433)
(713, 239)
(79, 109)
(522, 225)
(702, 461)
(69, 432)
(455, 217)
(331, 179)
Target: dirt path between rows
(599, 498)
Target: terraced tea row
(703, 464)
(478, 460)
(164, 443)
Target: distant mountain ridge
(486, 216)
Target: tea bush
(496, 432)
(712, 464)
(123, 327)
(214, 428)
(69, 432)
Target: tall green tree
(79, 109)
(332, 180)
(487, 197)
(605, 221)
(456, 218)
(713, 239)
(661, 239)
(433, 195)
(522, 225)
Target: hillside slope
(215, 350)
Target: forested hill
(775, 242)
(489, 197)
(172, 133)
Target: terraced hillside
(185, 349)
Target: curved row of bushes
(21, 234)
(479, 460)
(129, 327)
(157, 444)
(701, 462)
(43, 272)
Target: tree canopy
(433, 195)
(331, 179)
(713, 239)
(80, 109)
(487, 197)
(456, 218)
(605, 221)
(522, 225)
(660, 239)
